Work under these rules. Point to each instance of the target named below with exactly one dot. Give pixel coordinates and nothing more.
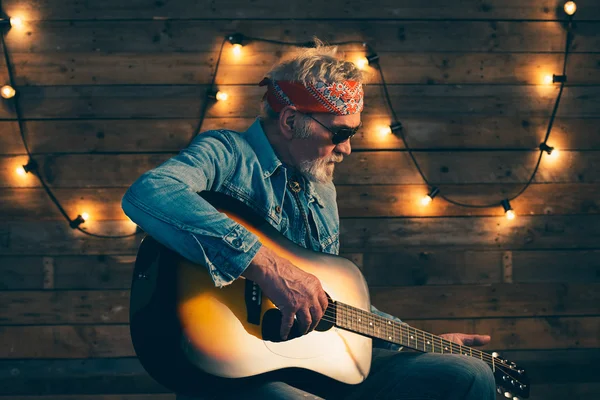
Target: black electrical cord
(32, 164)
(533, 174)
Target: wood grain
(424, 133)
(60, 307)
(100, 341)
(364, 168)
(151, 36)
(412, 267)
(89, 68)
(28, 204)
(179, 101)
(264, 9)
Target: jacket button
(277, 209)
(237, 242)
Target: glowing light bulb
(16, 22)
(85, 216)
(429, 198)
(570, 7)
(21, 171)
(385, 130)
(554, 154)
(222, 96)
(548, 80)
(510, 214)
(362, 62)
(7, 91)
(237, 49)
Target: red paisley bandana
(339, 98)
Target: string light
(74, 224)
(30, 166)
(7, 91)
(386, 130)
(236, 41)
(429, 198)
(16, 22)
(570, 8)
(510, 213)
(218, 95)
(549, 149)
(559, 78)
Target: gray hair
(310, 65)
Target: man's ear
(287, 120)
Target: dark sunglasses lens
(342, 135)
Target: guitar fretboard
(375, 326)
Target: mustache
(337, 158)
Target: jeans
(404, 375)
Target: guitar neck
(375, 326)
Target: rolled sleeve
(165, 203)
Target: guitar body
(181, 322)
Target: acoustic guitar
(186, 331)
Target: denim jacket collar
(256, 136)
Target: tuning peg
(508, 395)
(515, 398)
(499, 389)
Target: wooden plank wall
(111, 90)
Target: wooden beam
(151, 36)
(365, 168)
(33, 204)
(422, 132)
(176, 68)
(409, 302)
(178, 101)
(264, 9)
(106, 341)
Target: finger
(287, 320)
(304, 320)
(480, 340)
(316, 314)
(324, 301)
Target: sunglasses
(340, 135)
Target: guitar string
(455, 348)
(376, 318)
(496, 362)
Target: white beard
(321, 169)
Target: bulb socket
(76, 222)
(236, 38)
(559, 78)
(546, 148)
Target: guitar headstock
(511, 381)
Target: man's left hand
(466, 339)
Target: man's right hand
(293, 291)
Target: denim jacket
(165, 204)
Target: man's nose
(344, 147)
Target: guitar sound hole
(271, 325)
